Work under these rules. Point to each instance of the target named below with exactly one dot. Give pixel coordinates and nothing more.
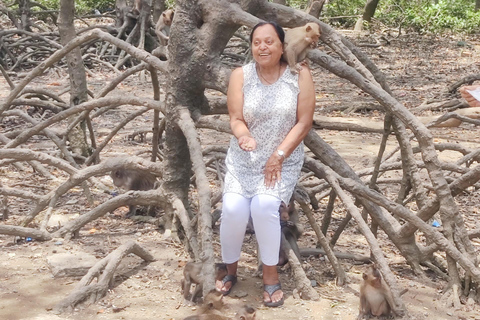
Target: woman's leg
(266, 221)
(235, 215)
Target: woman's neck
(270, 70)
(269, 75)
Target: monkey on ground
(375, 296)
(162, 28)
(246, 313)
(289, 225)
(298, 41)
(192, 274)
(131, 179)
(212, 309)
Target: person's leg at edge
(235, 215)
(266, 221)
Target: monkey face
(283, 210)
(313, 33)
(167, 17)
(266, 46)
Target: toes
(266, 297)
(277, 296)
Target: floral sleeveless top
(270, 112)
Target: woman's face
(267, 49)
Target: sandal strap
(271, 288)
(229, 278)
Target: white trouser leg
(266, 221)
(235, 215)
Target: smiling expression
(267, 48)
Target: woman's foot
(272, 294)
(228, 282)
(225, 285)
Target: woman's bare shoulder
(237, 72)
(237, 75)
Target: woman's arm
(305, 109)
(235, 110)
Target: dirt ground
(418, 68)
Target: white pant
(236, 211)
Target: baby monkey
(375, 295)
(192, 274)
(212, 309)
(298, 41)
(131, 179)
(289, 226)
(162, 28)
(246, 313)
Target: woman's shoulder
(248, 69)
(289, 77)
(249, 74)
(305, 72)
(305, 77)
(237, 74)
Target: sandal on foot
(228, 278)
(271, 289)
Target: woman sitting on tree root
(271, 112)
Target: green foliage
(431, 16)
(170, 4)
(435, 16)
(298, 4)
(87, 6)
(102, 5)
(50, 4)
(82, 6)
(348, 11)
(420, 15)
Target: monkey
(375, 296)
(298, 41)
(250, 229)
(246, 313)
(192, 273)
(132, 179)
(289, 227)
(137, 7)
(162, 28)
(213, 306)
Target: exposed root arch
(104, 272)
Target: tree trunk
(120, 12)
(282, 2)
(369, 10)
(24, 8)
(368, 14)
(76, 71)
(315, 8)
(196, 41)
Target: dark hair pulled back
(278, 30)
